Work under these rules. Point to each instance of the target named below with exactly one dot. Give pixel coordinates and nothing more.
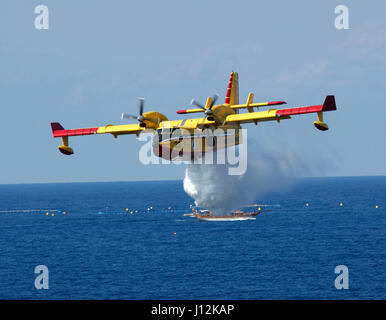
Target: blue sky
(98, 57)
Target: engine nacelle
(154, 118)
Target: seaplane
(187, 139)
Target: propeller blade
(141, 103)
(197, 104)
(128, 116)
(214, 99)
(140, 118)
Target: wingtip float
(225, 116)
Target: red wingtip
(57, 129)
(56, 126)
(272, 103)
(329, 103)
(181, 111)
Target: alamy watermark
(342, 18)
(42, 280)
(41, 21)
(207, 146)
(341, 281)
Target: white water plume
(213, 188)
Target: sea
(323, 239)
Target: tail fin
(232, 96)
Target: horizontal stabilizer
(237, 106)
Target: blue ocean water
(100, 250)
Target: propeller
(208, 111)
(140, 118)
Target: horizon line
(164, 180)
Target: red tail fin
(232, 96)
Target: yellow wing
(274, 114)
(59, 132)
(121, 129)
(259, 116)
